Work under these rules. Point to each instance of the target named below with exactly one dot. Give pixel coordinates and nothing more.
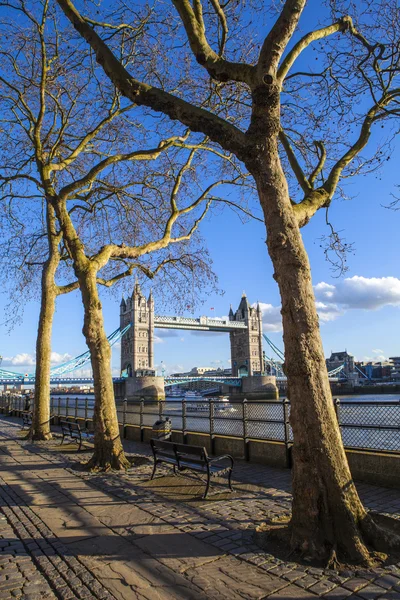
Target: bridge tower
(246, 344)
(138, 342)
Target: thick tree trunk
(108, 450)
(40, 429)
(327, 514)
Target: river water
(369, 421)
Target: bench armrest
(217, 458)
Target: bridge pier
(132, 389)
(259, 387)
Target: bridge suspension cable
(70, 365)
(82, 359)
(281, 356)
(274, 348)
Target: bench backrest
(182, 452)
(70, 426)
(193, 454)
(163, 449)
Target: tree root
(107, 462)
(367, 544)
(32, 436)
(41, 437)
(333, 562)
(384, 537)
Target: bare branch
(142, 94)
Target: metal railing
(373, 426)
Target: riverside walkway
(68, 534)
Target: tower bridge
(137, 346)
(136, 332)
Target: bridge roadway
(169, 381)
(199, 324)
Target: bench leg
(80, 444)
(62, 441)
(230, 481)
(154, 470)
(207, 487)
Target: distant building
(395, 367)
(200, 371)
(340, 358)
(381, 371)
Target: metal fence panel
(174, 410)
(364, 425)
(132, 414)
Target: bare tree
(30, 255)
(106, 210)
(272, 117)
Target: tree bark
(40, 429)
(327, 514)
(108, 450)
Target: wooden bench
(193, 458)
(73, 430)
(26, 419)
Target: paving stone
(322, 587)
(338, 593)
(44, 488)
(371, 591)
(355, 584)
(387, 581)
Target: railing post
(58, 410)
(141, 418)
(212, 426)
(336, 404)
(184, 421)
(286, 425)
(86, 411)
(66, 406)
(124, 405)
(76, 407)
(245, 430)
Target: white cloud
(19, 360)
(369, 293)
(271, 317)
(332, 301)
(375, 358)
(24, 359)
(328, 312)
(58, 359)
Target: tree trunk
(108, 450)
(327, 514)
(40, 429)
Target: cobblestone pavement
(69, 534)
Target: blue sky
(363, 306)
(359, 311)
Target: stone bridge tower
(137, 344)
(246, 344)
